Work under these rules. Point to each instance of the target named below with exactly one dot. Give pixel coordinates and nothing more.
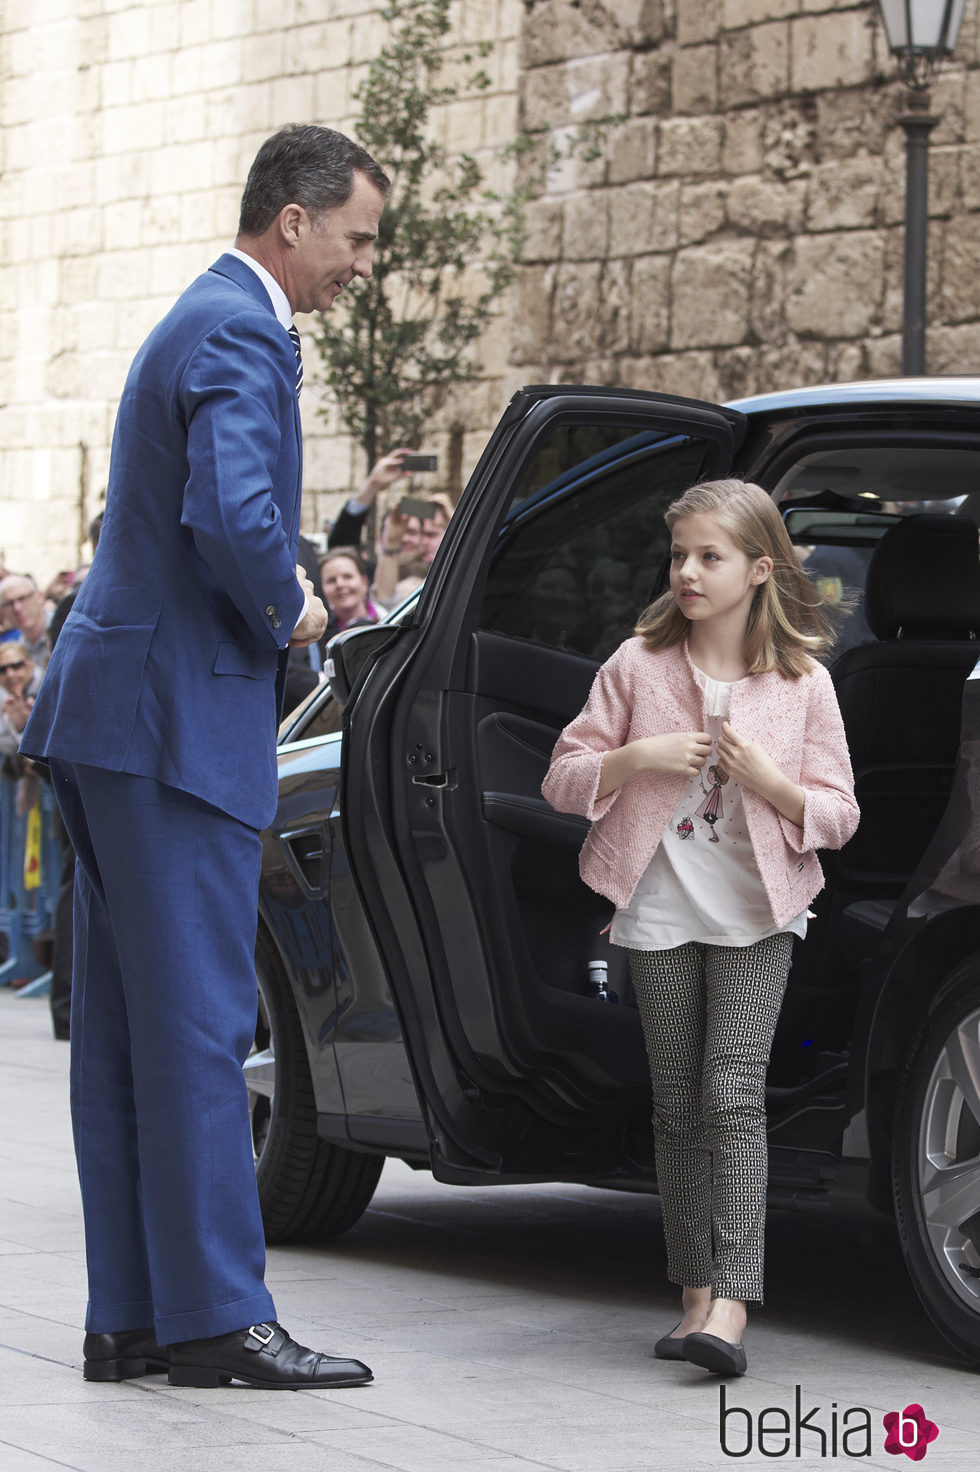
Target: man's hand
(312, 625)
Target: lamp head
(920, 33)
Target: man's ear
(291, 219)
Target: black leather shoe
(123, 1356)
(670, 1347)
(715, 1354)
(264, 1356)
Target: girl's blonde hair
(788, 624)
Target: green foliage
(447, 247)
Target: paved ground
(508, 1329)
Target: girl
(711, 759)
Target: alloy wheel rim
(948, 1161)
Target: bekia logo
(910, 1432)
(777, 1432)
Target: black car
(425, 940)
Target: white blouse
(703, 883)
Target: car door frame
(394, 786)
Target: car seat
(901, 698)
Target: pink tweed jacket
(640, 692)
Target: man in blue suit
(158, 719)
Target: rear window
(872, 487)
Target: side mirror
(349, 652)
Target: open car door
(469, 878)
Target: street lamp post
(920, 33)
(917, 125)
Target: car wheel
(309, 1189)
(936, 1167)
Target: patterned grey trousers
(709, 1014)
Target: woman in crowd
(346, 589)
(19, 682)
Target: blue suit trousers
(163, 1015)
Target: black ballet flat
(671, 1347)
(715, 1355)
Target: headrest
(924, 580)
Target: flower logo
(909, 1431)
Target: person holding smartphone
(385, 473)
(411, 536)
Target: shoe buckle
(264, 1333)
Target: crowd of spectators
(30, 620)
(376, 554)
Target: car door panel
(486, 926)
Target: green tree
(447, 247)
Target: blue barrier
(26, 913)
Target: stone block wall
(740, 227)
(126, 132)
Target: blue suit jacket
(169, 663)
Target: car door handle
(305, 849)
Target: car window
(584, 544)
(326, 719)
(900, 480)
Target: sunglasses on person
(12, 664)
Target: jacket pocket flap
(233, 659)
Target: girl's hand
(746, 761)
(684, 752)
(750, 765)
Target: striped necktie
(294, 339)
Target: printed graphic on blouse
(712, 809)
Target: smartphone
(413, 463)
(416, 506)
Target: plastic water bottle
(598, 982)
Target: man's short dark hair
(306, 165)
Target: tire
(936, 1166)
(309, 1190)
